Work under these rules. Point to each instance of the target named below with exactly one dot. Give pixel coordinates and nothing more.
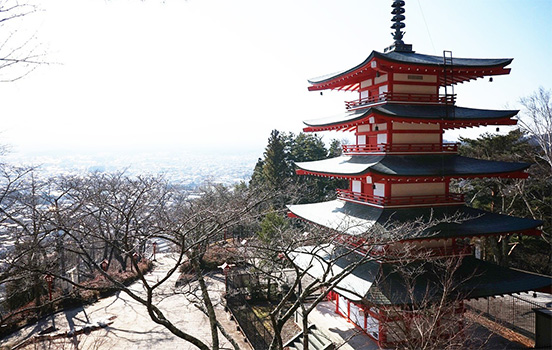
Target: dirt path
(130, 327)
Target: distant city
(184, 168)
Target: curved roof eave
(411, 165)
(329, 77)
(450, 221)
(430, 60)
(430, 113)
(417, 59)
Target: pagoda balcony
(438, 99)
(401, 148)
(361, 246)
(401, 201)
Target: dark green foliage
(530, 197)
(272, 224)
(306, 147)
(335, 149)
(276, 170)
(276, 167)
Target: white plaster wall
(426, 78)
(416, 189)
(415, 126)
(414, 89)
(417, 138)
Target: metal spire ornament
(398, 25)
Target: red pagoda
(400, 170)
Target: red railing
(448, 99)
(401, 147)
(454, 198)
(354, 243)
(362, 247)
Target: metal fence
(510, 310)
(240, 288)
(252, 326)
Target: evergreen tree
(530, 197)
(276, 168)
(335, 149)
(306, 147)
(257, 178)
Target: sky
(219, 75)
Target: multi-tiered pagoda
(400, 170)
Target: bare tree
(314, 262)
(430, 315)
(26, 221)
(536, 121)
(119, 215)
(20, 53)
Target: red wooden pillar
(50, 280)
(387, 190)
(382, 329)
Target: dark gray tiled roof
(418, 59)
(450, 221)
(385, 283)
(415, 112)
(475, 279)
(410, 165)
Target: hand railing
(455, 198)
(401, 97)
(401, 147)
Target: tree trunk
(206, 301)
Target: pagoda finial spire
(398, 25)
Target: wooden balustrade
(455, 198)
(401, 148)
(361, 246)
(445, 99)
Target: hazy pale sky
(221, 74)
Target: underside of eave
(449, 123)
(520, 174)
(458, 74)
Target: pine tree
(276, 169)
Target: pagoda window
(356, 186)
(383, 89)
(364, 94)
(379, 189)
(372, 325)
(381, 139)
(477, 246)
(361, 139)
(355, 315)
(343, 305)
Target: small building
(399, 170)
